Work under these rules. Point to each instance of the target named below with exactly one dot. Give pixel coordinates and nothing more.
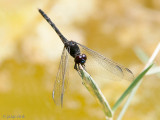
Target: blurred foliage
(30, 53)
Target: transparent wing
(111, 66)
(61, 80)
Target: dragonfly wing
(111, 66)
(61, 80)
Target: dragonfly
(73, 49)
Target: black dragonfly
(73, 48)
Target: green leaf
(130, 88)
(93, 88)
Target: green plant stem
(130, 88)
(150, 61)
(92, 87)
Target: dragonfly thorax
(72, 48)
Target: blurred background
(30, 52)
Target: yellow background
(30, 52)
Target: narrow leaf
(92, 87)
(130, 88)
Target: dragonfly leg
(75, 66)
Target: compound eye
(84, 56)
(83, 61)
(78, 59)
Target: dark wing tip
(131, 73)
(119, 68)
(129, 70)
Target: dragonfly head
(80, 59)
